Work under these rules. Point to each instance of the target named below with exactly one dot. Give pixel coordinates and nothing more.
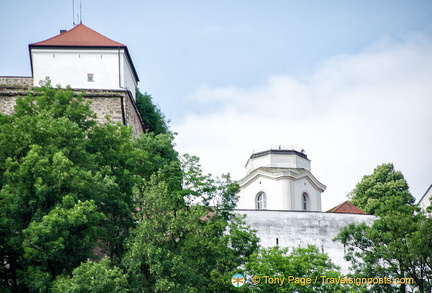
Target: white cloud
(350, 115)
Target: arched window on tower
(261, 201)
(305, 201)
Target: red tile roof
(83, 36)
(79, 36)
(347, 208)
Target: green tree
(93, 277)
(187, 240)
(398, 244)
(73, 191)
(395, 246)
(43, 160)
(57, 243)
(153, 118)
(302, 270)
(66, 186)
(384, 190)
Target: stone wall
(118, 105)
(111, 107)
(7, 104)
(16, 81)
(133, 117)
(298, 229)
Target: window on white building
(90, 77)
(261, 201)
(305, 201)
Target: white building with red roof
(88, 62)
(83, 59)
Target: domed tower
(279, 178)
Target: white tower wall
(110, 68)
(283, 175)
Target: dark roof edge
(425, 194)
(73, 46)
(131, 63)
(276, 151)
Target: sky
(350, 82)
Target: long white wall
(295, 228)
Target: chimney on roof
(63, 31)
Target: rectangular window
(90, 77)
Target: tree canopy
(87, 207)
(152, 116)
(399, 243)
(302, 270)
(382, 191)
(80, 199)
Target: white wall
(128, 77)
(303, 185)
(284, 176)
(283, 191)
(296, 228)
(71, 66)
(274, 190)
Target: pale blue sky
(178, 45)
(354, 64)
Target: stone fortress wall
(16, 81)
(118, 105)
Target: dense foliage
(384, 190)
(152, 116)
(399, 243)
(78, 198)
(302, 270)
(87, 207)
